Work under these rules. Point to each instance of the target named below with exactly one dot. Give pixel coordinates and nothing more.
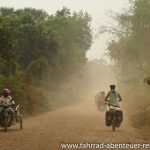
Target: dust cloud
(94, 76)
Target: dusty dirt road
(72, 124)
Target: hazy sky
(96, 8)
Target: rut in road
(80, 122)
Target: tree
(7, 52)
(46, 49)
(131, 51)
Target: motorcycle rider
(103, 95)
(7, 99)
(100, 97)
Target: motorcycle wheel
(5, 124)
(21, 122)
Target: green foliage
(14, 83)
(7, 51)
(37, 99)
(37, 72)
(35, 42)
(73, 33)
(141, 15)
(132, 51)
(38, 52)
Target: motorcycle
(5, 116)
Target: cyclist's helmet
(112, 86)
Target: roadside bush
(37, 99)
(142, 117)
(31, 99)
